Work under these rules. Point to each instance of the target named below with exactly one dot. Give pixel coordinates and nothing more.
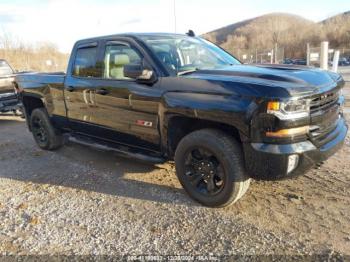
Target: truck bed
(49, 87)
(27, 80)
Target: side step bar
(125, 151)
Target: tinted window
(116, 57)
(85, 63)
(5, 69)
(183, 53)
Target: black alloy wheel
(204, 171)
(45, 134)
(210, 167)
(38, 130)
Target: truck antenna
(191, 33)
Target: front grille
(323, 102)
(324, 111)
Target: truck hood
(274, 80)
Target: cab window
(85, 63)
(116, 56)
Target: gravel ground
(345, 72)
(80, 201)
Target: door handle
(102, 91)
(70, 88)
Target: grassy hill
(284, 30)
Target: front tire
(45, 135)
(210, 167)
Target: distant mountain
(287, 31)
(256, 24)
(345, 15)
(336, 30)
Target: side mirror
(138, 72)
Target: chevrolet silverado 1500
(162, 97)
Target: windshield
(182, 53)
(5, 69)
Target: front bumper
(270, 161)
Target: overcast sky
(64, 21)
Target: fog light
(289, 132)
(292, 163)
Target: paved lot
(81, 201)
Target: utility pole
(335, 61)
(272, 55)
(308, 54)
(174, 7)
(324, 55)
(276, 53)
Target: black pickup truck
(161, 97)
(8, 96)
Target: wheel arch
(179, 126)
(30, 103)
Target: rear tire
(45, 135)
(210, 167)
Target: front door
(127, 109)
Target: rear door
(80, 86)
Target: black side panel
(112, 135)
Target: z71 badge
(144, 123)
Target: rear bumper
(270, 161)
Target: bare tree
(26, 57)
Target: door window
(116, 57)
(85, 63)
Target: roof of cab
(131, 35)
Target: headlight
(292, 109)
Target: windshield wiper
(187, 72)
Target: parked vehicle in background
(9, 101)
(299, 62)
(288, 61)
(163, 97)
(343, 62)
